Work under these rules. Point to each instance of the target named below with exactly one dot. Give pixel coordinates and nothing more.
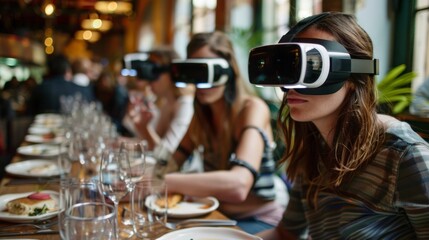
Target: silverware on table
(42, 225)
(200, 222)
(29, 232)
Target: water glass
(74, 191)
(90, 221)
(149, 210)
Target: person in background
(420, 103)
(160, 112)
(81, 69)
(45, 97)
(356, 174)
(11, 85)
(109, 93)
(231, 126)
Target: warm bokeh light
(49, 9)
(49, 41)
(96, 24)
(87, 35)
(114, 7)
(49, 49)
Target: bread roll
(172, 200)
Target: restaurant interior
(104, 31)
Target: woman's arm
(178, 126)
(230, 185)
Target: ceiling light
(49, 9)
(87, 35)
(114, 7)
(96, 24)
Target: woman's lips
(295, 100)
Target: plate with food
(50, 137)
(39, 150)
(212, 233)
(48, 119)
(29, 206)
(179, 206)
(34, 168)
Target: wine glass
(115, 180)
(136, 151)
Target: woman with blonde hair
(232, 127)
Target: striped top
(387, 199)
(264, 184)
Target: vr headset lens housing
(312, 66)
(295, 65)
(202, 72)
(138, 65)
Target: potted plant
(394, 90)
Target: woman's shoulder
(254, 112)
(255, 102)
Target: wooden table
(10, 184)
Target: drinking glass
(67, 155)
(90, 221)
(149, 208)
(115, 180)
(136, 151)
(73, 191)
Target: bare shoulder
(254, 111)
(255, 104)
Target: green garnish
(39, 211)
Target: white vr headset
(201, 72)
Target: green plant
(394, 90)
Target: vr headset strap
(365, 66)
(301, 26)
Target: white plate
(39, 150)
(206, 233)
(42, 139)
(38, 130)
(6, 216)
(28, 168)
(48, 122)
(190, 207)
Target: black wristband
(241, 163)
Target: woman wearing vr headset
(356, 174)
(162, 122)
(233, 127)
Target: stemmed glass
(136, 151)
(115, 179)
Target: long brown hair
(357, 135)
(202, 131)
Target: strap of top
(264, 182)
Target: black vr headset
(202, 72)
(310, 66)
(138, 65)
